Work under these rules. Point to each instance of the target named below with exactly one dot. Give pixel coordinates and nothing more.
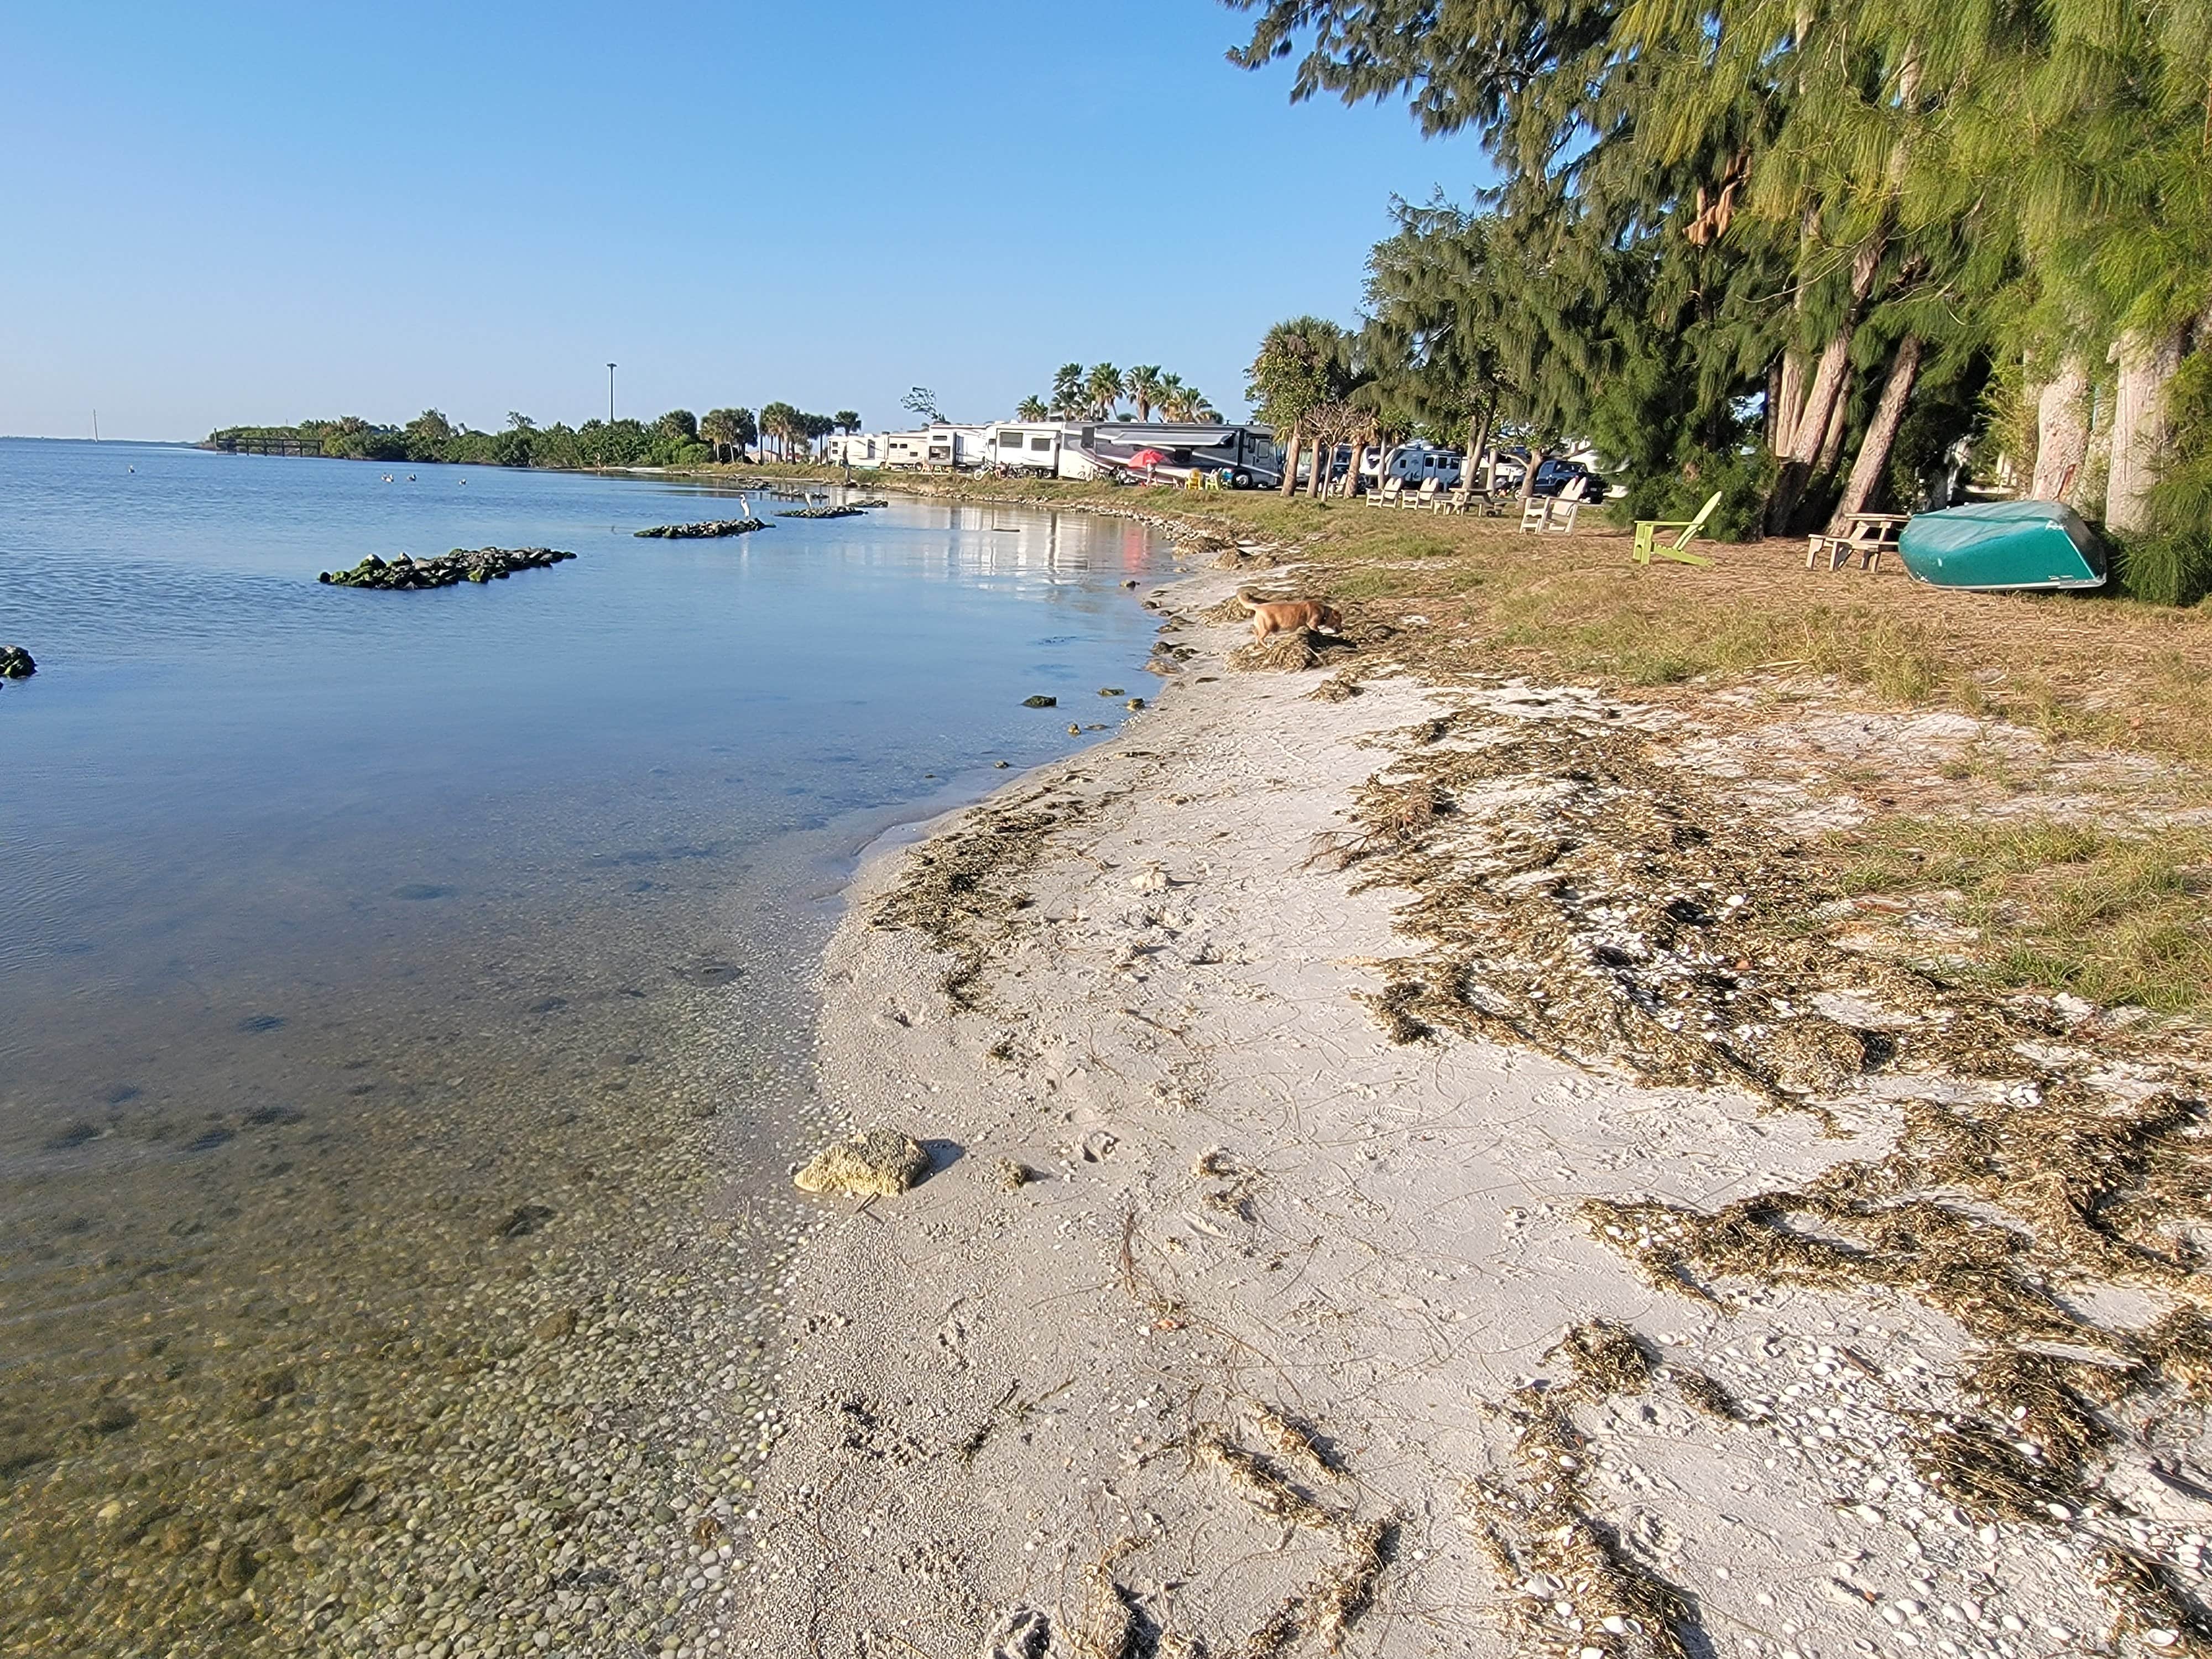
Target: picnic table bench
(1866, 534)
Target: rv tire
(1240, 479)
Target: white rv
(939, 446)
(1247, 454)
(1414, 463)
(1034, 446)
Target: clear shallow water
(340, 929)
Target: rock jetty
(821, 513)
(15, 663)
(709, 527)
(463, 564)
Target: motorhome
(1245, 455)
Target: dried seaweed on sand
(961, 888)
(1570, 1584)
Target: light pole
(610, 394)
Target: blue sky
(246, 213)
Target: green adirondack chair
(1650, 547)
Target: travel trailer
(1415, 463)
(940, 446)
(1035, 447)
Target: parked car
(1552, 478)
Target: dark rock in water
(1040, 701)
(260, 1022)
(421, 889)
(76, 1135)
(555, 1327)
(21, 1455)
(15, 663)
(262, 1117)
(112, 1418)
(334, 1494)
(821, 513)
(1109, 690)
(235, 1569)
(709, 528)
(525, 1218)
(463, 564)
(208, 1142)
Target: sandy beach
(1258, 1304)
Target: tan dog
(1284, 616)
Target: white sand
(992, 1408)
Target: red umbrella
(1147, 458)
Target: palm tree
(1144, 385)
(1103, 386)
(1031, 408)
(1185, 404)
(719, 426)
(1068, 394)
(1302, 367)
(848, 419)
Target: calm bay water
(381, 974)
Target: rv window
(1040, 441)
(1010, 440)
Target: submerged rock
(872, 1163)
(463, 564)
(1040, 701)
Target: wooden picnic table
(1866, 534)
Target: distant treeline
(677, 439)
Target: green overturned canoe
(2002, 544)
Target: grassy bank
(2102, 892)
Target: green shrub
(1743, 478)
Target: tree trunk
(1831, 441)
(2139, 424)
(1290, 462)
(1872, 461)
(1528, 477)
(1808, 433)
(1324, 456)
(1478, 441)
(1787, 406)
(2061, 433)
(1352, 478)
